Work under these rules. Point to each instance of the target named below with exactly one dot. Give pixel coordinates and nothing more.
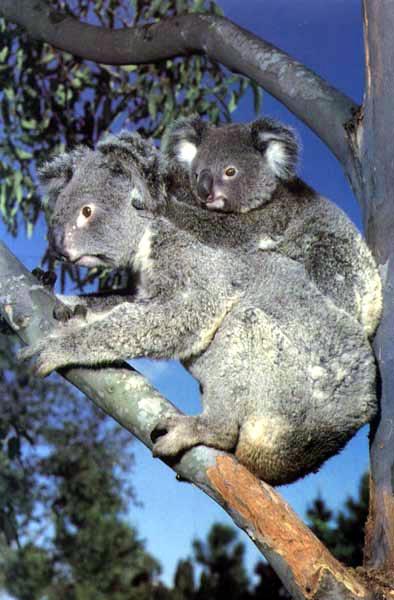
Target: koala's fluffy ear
(129, 145)
(55, 174)
(128, 150)
(278, 144)
(185, 137)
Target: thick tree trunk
(376, 158)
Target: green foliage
(184, 581)
(26, 404)
(222, 560)
(50, 99)
(28, 572)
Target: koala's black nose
(56, 243)
(204, 184)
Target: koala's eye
(196, 175)
(84, 214)
(86, 211)
(230, 171)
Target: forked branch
(322, 107)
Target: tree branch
(304, 565)
(322, 107)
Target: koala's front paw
(47, 357)
(173, 435)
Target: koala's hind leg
(277, 451)
(178, 433)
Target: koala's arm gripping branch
(304, 565)
(322, 107)
(166, 329)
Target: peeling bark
(292, 549)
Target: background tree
(63, 469)
(184, 580)
(343, 533)
(359, 137)
(221, 558)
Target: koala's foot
(173, 435)
(178, 433)
(47, 278)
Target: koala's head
(234, 167)
(95, 197)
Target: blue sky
(327, 37)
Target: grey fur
(286, 376)
(273, 210)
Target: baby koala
(245, 173)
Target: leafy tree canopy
(50, 100)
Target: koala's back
(315, 232)
(299, 373)
(251, 168)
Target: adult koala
(246, 173)
(286, 376)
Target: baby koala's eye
(196, 175)
(86, 211)
(230, 171)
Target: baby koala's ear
(278, 144)
(184, 139)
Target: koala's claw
(47, 278)
(64, 313)
(80, 311)
(172, 435)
